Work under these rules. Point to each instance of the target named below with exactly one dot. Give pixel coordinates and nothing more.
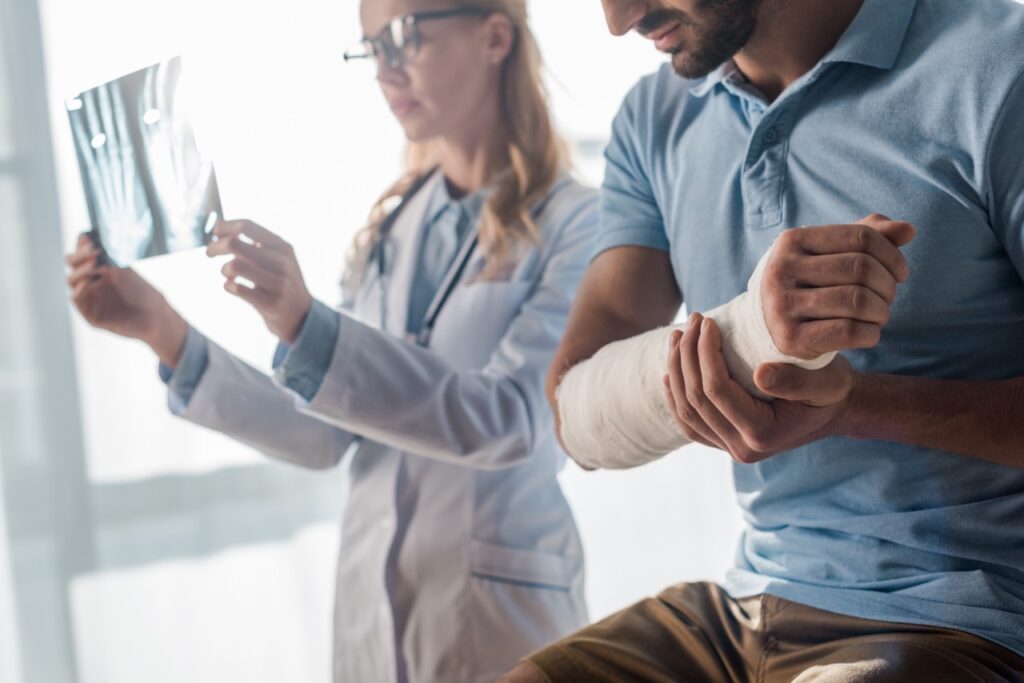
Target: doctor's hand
(119, 300)
(714, 410)
(275, 285)
(829, 288)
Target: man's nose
(623, 15)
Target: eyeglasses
(398, 44)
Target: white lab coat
(459, 553)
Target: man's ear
(499, 36)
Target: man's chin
(685, 65)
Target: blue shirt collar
(441, 200)
(874, 38)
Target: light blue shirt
(302, 368)
(917, 113)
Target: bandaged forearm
(612, 407)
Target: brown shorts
(697, 632)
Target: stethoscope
(379, 253)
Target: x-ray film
(148, 188)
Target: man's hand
(829, 288)
(714, 410)
(279, 291)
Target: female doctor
(459, 552)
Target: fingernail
(705, 324)
(768, 378)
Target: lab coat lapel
(404, 246)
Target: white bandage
(612, 407)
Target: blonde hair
(536, 153)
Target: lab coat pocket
(516, 566)
(477, 316)
(522, 600)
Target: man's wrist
(861, 400)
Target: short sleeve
(1006, 175)
(630, 215)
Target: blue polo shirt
(917, 113)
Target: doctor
(459, 552)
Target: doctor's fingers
(85, 251)
(254, 232)
(85, 272)
(269, 259)
(265, 280)
(260, 299)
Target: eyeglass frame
(384, 44)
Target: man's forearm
(982, 420)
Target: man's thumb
(900, 233)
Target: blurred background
(137, 548)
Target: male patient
(884, 494)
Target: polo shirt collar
(874, 38)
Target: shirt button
(771, 136)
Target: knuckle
(873, 335)
(789, 237)
(863, 237)
(775, 271)
(685, 417)
(859, 266)
(847, 330)
(744, 456)
(714, 390)
(695, 399)
(690, 433)
(759, 439)
(788, 340)
(858, 299)
(789, 301)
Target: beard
(722, 28)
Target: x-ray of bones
(148, 188)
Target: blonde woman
(459, 553)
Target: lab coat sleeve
(238, 400)
(410, 398)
